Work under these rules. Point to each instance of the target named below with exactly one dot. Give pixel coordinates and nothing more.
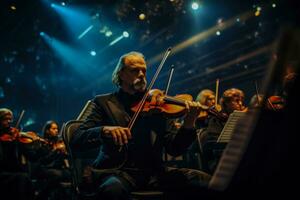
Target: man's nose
(141, 73)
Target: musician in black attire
(52, 168)
(134, 157)
(15, 182)
(232, 99)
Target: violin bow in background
(20, 119)
(169, 79)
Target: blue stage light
(195, 6)
(125, 34)
(93, 53)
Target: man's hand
(119, 134)
(192, 112)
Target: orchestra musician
(205, 97)
(256, 101)
(15, 182)
(231, 100)
(133, 156)
(193, 156)
(53, 165)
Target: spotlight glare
(93, 53)
(108, 33)
(257, 13)
(195, 5)
(13, 7)
(125, 34)
(142, 16)
(218, 33)
(274, 5)
(42, 33)
(63, 3)
(52, 5)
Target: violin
(275, 103)
(157, 102)
(214, 112)
(59, 146)
(22, 137)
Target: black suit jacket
(149, 135)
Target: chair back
(78, 160)
(67, 133)
(86, 111)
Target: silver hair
(5, 111)
(115, 75)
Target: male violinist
(135, 156)
(14, 180)
(232, 99)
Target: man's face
(236, 103)
(133, 75)
(53, 130)
(210, 100)
(6, 121)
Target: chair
(78, 161)
(87, 109)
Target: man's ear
(121, 75)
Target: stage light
(13, 7)
(195, 5)
(220, 21)
(257, 13)
(93, 53)
(53, 5)
(63, 3)
(108, 33)
(42, 33)
(2, 95)
(237, 19)
(85, 32)
(218, 33)
(274, 5)
(142, 16)
(125, 34)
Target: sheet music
(234, 150)
(229, 126)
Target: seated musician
(133, 156)
(52, 167)
(193, 157)
(205, 97)
(232, 99)
(15, 182)
(256, 101)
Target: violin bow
(141, 105)
(169, 79)
(257, 94)
(19, 119)
(217, 92)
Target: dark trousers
(175, 183)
